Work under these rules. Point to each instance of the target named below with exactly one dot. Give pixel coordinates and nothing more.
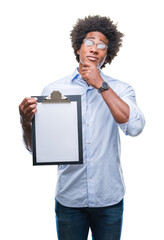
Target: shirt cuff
(135, 124)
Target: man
(91, 195)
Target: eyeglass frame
(94, 43)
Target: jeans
(74, 223)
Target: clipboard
(57, 130)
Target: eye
(101, 46)
(89, 43)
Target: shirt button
(88, 124)
(88, 142)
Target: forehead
(98, 36)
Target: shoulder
(120, 87)
(57, 85)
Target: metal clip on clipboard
(56, 97)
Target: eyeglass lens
(90, 43)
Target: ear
(107, 59)
(78, 52)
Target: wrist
(25, 124)
(99, 83)
(104, 86)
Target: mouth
(92, 58)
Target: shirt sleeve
(136, 121)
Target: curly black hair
(97, 24)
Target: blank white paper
(56, 131)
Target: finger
(85, 71)
(86, 66)
(31, 114)
(89, 68)
(26, 102)
(86, 74)
(86, 81)
(27, 109)
(26, 119)
(30, 108)
(87, 63)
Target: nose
(94, 49)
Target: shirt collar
(75, 74)
(76, 77)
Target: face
(93, 53)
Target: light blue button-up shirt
(98, 182)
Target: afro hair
(97, 24)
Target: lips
(92, 58)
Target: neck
(80, 68)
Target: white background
(35, 49)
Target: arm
(27, 110)
(123, 108)
(119, 108)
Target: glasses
(89, 43)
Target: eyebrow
(100, 40)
